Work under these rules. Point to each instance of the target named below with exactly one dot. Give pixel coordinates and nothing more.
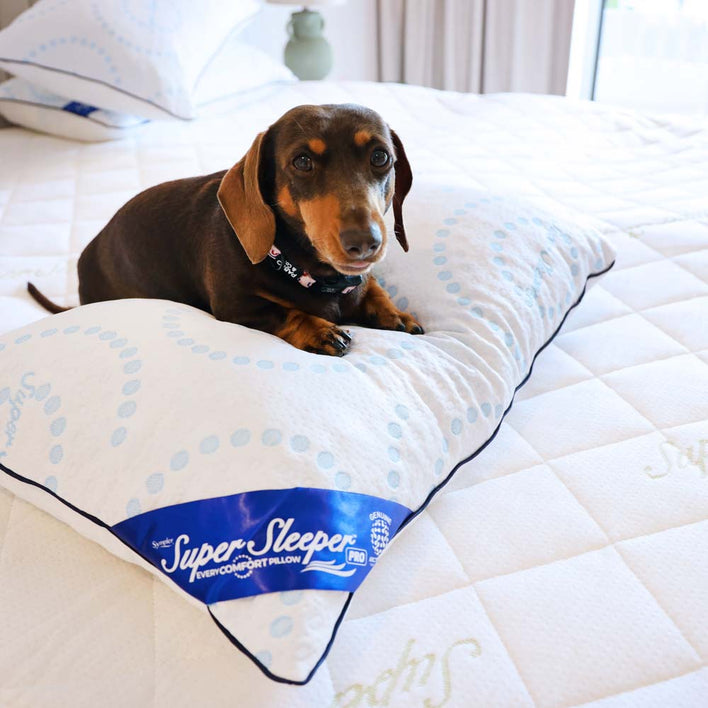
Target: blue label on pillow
(266, 541)
(81, 109)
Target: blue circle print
(132, 366)
(118, 436)
(57, 426)
(264, 657)
(241, 437)
(131, 387)
(56, 454)
(325, 460)
(281, 626)
(342, 480)
(155, 482)
(291, 597)
(209, 445)
(126, 409)
(52, 405)
(402, 411)
(271, 437)
(41, 393)
(299, 443)
(179, 460)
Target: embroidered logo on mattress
(266, 541)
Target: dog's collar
(338, 284)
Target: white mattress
(564, 565)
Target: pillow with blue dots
(262, 482)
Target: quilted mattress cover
(594, 494)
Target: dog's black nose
(361, 243)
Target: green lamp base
(307, 54)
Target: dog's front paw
(330, 340)
(313, 334)
(394, 319)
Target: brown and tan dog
(282, 242)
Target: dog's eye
(379, 158)
(303, 163)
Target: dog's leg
(376, 310)
(275, 316)
(313, 334)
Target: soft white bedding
(564, 565)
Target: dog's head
(330, 173)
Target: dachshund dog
(282, 242)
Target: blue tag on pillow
(81, 109)
(265, 541)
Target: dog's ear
(244, 205)
(404, 179)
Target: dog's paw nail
(417, 329)
(346, 335)
(400, 327)
(338, 341)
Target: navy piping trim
(406, 521)
(96, 81)
(267, 671)
(59, 108)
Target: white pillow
(143, 59)
(33, 107)
(236, 71)
(143, 422)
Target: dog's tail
(44, 301)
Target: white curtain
(483, 46)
